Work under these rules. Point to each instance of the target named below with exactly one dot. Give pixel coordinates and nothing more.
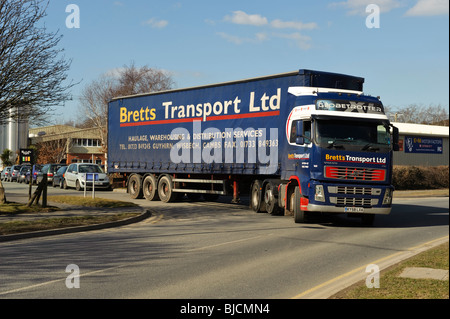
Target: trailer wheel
(256, 198)
(165, 189)
(299, 215)
(150, 188)
(134, 186)
(271, 200)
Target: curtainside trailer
(299, 143)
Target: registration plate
(354, 209)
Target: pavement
(70, 211)
(323, 291)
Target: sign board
(349, 106)
(423, 144)
(26, 156)
(91, 177)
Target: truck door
(300, 146)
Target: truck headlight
(319, 194)
(387, 199)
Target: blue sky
(405, 60)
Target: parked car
(23, 173)
(14, 173)
(75, 176)
(35, 170)
(58, 178)
(5, 173)
(50, 170)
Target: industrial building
(81, 145)
(422, 145)
(13, 136)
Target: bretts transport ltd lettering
(219, 110)
(355, 159)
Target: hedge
(420, 177)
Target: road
(210, 250)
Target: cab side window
(306, 131)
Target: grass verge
(89, 202)
(15, 227)
(47, 223)
(394, 287)
(17, 208)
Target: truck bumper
(346, 210)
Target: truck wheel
(165, 189)
(270, 199)
(256, 200)
(299, 215)
(150, 188)
(134, 186)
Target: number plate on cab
(354, 209)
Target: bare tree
(53, 151)
(414, 113)
(32, 70)
(124, 81)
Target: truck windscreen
(354, 135)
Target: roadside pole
(90, 177)
(2, 194)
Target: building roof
(55, 132)
(422, 129)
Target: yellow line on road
(408, 253)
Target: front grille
(347, 190)
(354, 202)
(355, 173)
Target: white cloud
(429, 8)
(279, 24)
(155, 23)
(359, 6)
(259, 37)
(302, 41)
(240, 17)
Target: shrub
(420, 177)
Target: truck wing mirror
(300, 140)
(299, 127)
(395, 139)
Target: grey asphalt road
(210, 250)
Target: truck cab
(339, 155)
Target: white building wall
(426, 159)
(13, 136)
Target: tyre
(300, 216)
(78, 186)
(135, 186)
(165, 189)
(150, 188)
(256, 197)
(270, 199)
(65, 185)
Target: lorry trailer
(298, 143)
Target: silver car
(79, 175)
(5, 173)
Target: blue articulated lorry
(298, 143)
